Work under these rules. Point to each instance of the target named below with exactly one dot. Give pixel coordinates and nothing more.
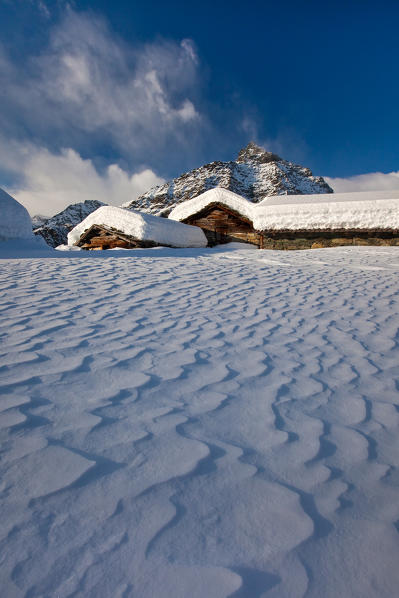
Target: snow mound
(15, 222)
(360, 210)
(144, 227)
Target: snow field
(206, 423)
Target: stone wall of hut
(319, 239)
(222, 225)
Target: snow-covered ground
(200, 423)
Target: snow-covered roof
(359, 210)
(144, 227)
(217, 195)
(328, 197)
(15, 222)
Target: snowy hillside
(55, 230)
(15, 222)
(38, 220)
(202, 423)
(255, 174)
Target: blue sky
(105, 99)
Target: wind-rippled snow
(204, 423)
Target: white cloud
(43, 8)
(94, 93)
(90, 87)
(373, 181)
(54, 181)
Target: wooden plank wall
(221, 225)
(101, 237)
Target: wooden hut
(224, 225)
(295, 222)
(223, 215)
(110, 227)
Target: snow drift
(15, 222)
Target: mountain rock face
(38, 220)
(255, 174)
(55, 230)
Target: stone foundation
(320, 239)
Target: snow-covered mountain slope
(55, 230)
(15, 222)
(201, 423)
(38, 220)
(255, 174)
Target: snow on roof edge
(352, 196)
(216, 195)
(144, 227)
(345, 215)
(355, 210)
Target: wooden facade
(102, 237)
(223, 225)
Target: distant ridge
(55, 230)
(255, 173)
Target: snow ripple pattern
(204, 423)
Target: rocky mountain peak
(55, 230)
(255, 175)
(255, 153)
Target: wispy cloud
(372, 181)
(287, 143)
(88, 82)
(51, 182)
(43, 8)
(91, 91)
